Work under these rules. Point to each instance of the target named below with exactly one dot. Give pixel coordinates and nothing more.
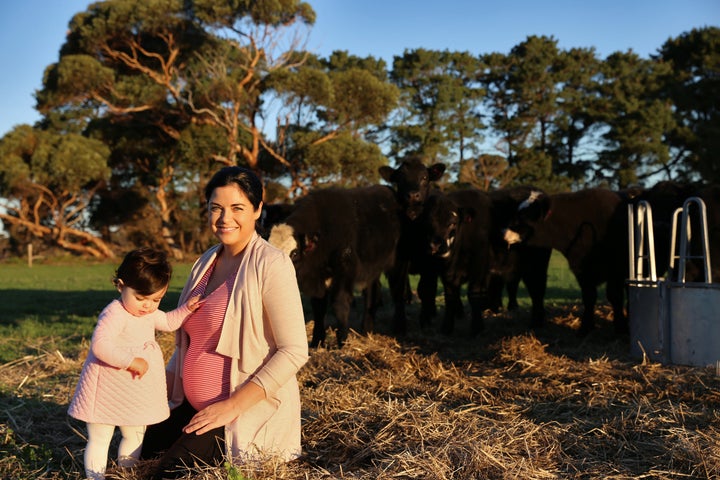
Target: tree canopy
(149, 97)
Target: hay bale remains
(509, 404)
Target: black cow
(512, 264)
(341, 240)
(711, 197)
(589, 228)
(272, 214)
(463, 231)
(456, 229)
(412, 181)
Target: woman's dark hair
(243, 177)
(145, 270)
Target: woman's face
(232, 217)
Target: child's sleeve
(104, 340)
(172, 320)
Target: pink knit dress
(107, 393)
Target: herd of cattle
(343, 240)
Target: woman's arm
(284, 317)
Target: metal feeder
(672, 320)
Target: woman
(232, 379)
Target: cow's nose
(414, 196)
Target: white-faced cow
(521, 262)
(463, 233)
(456, 229)
(341, 240)
(589, 228)
(272, 214)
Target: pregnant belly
(206, 378)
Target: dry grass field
(509, 404)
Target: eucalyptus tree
(693, 87)
(152, 196)
(47, 181)
(486, 172)
(439, 111)
(330, 113)
(574, 138)
(166, 69)
(201, 61)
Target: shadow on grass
(563, 308)
(37, 321)
(64, 306)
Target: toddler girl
(122, 382)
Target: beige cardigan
(264, 332)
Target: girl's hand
(195, 302)
(138, 367)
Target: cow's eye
(295, 254)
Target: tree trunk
(85, 243)
(165, 215)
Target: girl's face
(232, 217)
(138, 305)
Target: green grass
(561, 287)
(54, 307)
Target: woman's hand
(225, 411)
(216, 415)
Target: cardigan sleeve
(284, 320)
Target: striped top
(206, 373)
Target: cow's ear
(436, 171)
(387, 173)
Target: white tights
(96, 451)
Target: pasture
(509, 403)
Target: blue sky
(32, 31)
